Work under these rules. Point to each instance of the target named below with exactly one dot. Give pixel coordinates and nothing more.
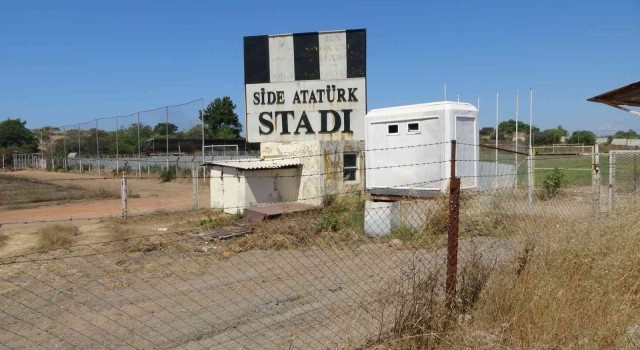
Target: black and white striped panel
(305, 56)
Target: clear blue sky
(63, 62)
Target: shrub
(552, 183)
(343, 213)
(167, 175)
(210, 222)
(57, 236)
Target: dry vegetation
(575, 287)
(56, 236)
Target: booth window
(392, 129)
(349, 166)
(413, 128)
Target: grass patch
(56, 236)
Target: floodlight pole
(517, 135)
(98, 146)
(166, 129)
(495, 180)
(64, 144)
(530, 177)
(117, 148)
(202, 126)
(138, 123)
(78, 139)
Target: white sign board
(303, 87)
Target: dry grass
(579, 288)
(421, 318)
(4, 239)
(576, 286)
(56, 236)
(340, 221)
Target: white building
(409, 147)
(302, 172)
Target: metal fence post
(194, 180)
(123, 194)
(530, 178)
(595, 180)
(612, 167)
(452, 236)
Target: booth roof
(628, 95)
(258, 164)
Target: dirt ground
(152, 195)
(153, 283)
(181, 295)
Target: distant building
(520, 136)
(486, 133)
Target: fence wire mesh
(357, 271)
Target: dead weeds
(57, 236)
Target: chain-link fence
(388, 271)
(145, 141)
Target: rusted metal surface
(452, 236)
(274, 210)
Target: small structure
(303, 172)
(408, 154)
(408, 147)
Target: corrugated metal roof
(259, 164)
(628, 95)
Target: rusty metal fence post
(452, 236)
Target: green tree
(629, 134)
(508, 127)
(550, 136)
(221, 119)
(161, 128)
(14, 136)
(583, 136)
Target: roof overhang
(258, 164)
(628, 95)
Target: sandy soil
(176, 295)
(153, 196)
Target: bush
(344, 213)
(552, 183)
(57, 236)
(167, 175)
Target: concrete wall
(235, 189)
(321, 166)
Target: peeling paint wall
(322, 167)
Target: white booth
(408, 148)
(408, 154)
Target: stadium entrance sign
(303, 87)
